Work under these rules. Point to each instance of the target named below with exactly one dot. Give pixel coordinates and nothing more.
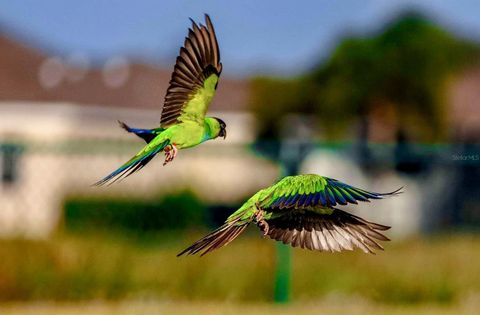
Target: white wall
(65, 152)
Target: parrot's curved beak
(223, 128)
(223, 133)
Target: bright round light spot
(116, 72)
(51, 72)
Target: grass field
(437, 275)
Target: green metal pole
(283, 260)
(292, 151)
(282, 274)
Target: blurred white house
(58, 135)
(54, 150)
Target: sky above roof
(267, 36)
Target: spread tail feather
(216, 239)
(133, 165)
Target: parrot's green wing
(300, 212)
(314, 190)
(194, 78)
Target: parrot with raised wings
(300, 211)
(183, 123)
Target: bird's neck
(208, 132)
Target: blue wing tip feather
(335, 193)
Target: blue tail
(134, 164)
(146, 134)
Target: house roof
(144, 86)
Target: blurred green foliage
(272, 98)
(405, 68)
(177, 211)
(442, 270)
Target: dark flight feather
(216, 239)
(327, 232)
(198, 59)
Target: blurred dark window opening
(466, 209)
(408, 161)
(10, 156)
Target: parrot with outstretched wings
(301, 211)
(183, 123)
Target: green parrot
(183, 123)
(300, 211)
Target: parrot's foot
(259, 220)
(263, 225)
(170, 153)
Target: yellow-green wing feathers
(304, 191)
(194, 78)
(196, 108)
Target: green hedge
(176, 211)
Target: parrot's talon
(170, 153)
(263, 225)
(258, 219)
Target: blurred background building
(379, 95)
(403, 101)
(56, 118)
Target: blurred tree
(404, 68)
(272, 98)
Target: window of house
(9, 162)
